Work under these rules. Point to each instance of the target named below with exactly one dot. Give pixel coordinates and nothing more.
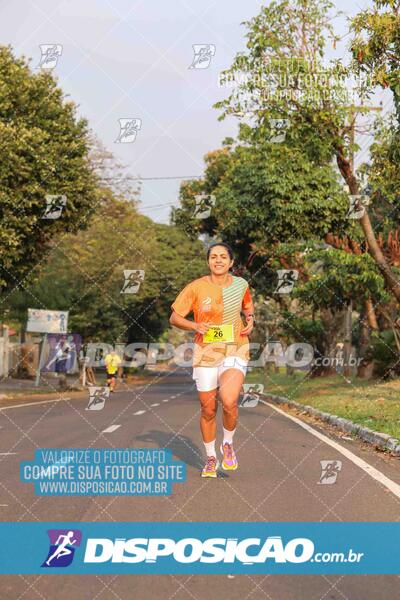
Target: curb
(45, 395)
(382, 440)
(41, 396)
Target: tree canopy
(44, 149)
(85, 275)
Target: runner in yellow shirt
(221, 350)
(112, 362)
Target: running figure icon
(62, 549)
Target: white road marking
(155, 404)
(139, 412)
(33, 403)
(3, 504)
(166, 399)
(7, 453)
(111, 429)
(392, 486)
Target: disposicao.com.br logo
(158, 548)
(200, 547)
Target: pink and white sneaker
(229, 462)
(211, 467)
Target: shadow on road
(182, 447)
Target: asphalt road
(277, 480)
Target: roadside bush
(385, 354)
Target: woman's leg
(231, 382)
(206, 383)
(208, 428)
(208, 425)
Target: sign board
(47, 321)
(62, 349)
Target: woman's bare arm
(182, 323)
(249, 316)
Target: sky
(125, 59)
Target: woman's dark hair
(226, 246)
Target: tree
(85, 275)
(44, 151)
(266, 196)
(275, 199)
(174, 261)
(376, 45)
(282, 77)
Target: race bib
(219, 333)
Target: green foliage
(216, 165)
(376, 45)
(340, 277)
(384, 176)
(385, 354)
(44, 150)
(84, 274)
(272, 194)
(269, 198)
(298, 328)
(268, 193)
(283, 76)
(175, 261)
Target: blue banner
(103, 472)
(194, 548)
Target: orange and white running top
(216, 305)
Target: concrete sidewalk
(11, 387)
(24, 389)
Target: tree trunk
(330, 322)
(368, 323)
(391, 281)
(289, 371)
(348, 331)
(371, 315)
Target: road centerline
(111, 429)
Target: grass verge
(373, 404)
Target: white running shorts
(207, 378)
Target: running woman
(221, 347)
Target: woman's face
(219, 260)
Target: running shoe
(229, 462)
(210, 468)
